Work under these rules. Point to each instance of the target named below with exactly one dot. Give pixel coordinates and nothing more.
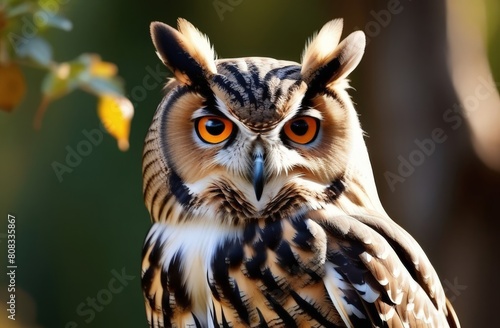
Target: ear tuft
(201, 49)
(186, 51)
(320, 47)
(325, 60)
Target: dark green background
(72, 234)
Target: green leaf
(37, 49)
(54, 87)
(63, 79)
(101, 86)
(21, 9)
(57, 21)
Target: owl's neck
(349, 194)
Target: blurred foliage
(493, 35)
(12, 85)
(113, 109)
(23, 24)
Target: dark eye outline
(309, 136)
(200, 126)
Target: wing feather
(331, 280)
(383, 259)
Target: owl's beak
(258, 174)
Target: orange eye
(213, 129)
(302, 130)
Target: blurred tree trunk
(428, 176)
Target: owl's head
(238, 139)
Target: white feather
(367, 293)
(333, 282)
(198, 243)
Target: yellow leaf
(99, 68)
(115, 113)
(12, 86)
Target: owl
(263, 203)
